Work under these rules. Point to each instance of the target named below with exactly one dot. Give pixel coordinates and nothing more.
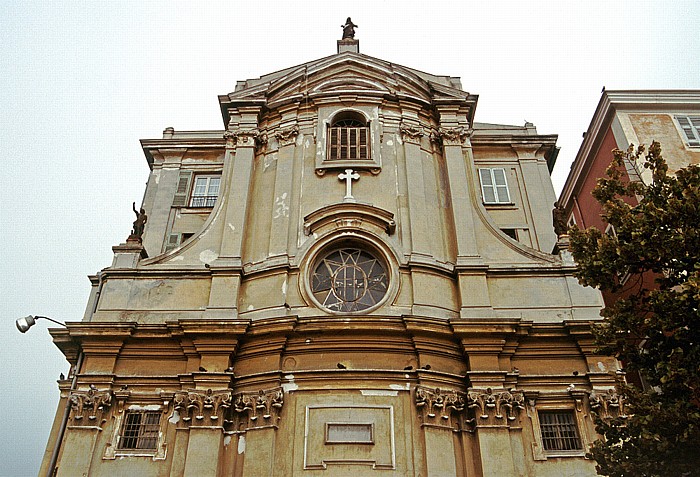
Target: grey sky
(82, 82)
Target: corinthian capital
(88, 407)
(411, 134)
(439, 407)
(258, 409)
(607, 404)
(204, 408)
(287, 136)
(498, 405)
(451, 136)
(242, 137)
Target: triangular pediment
(346, 73)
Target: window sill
(557, 454)
(503, 205)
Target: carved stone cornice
(439, 407)
(204, 408)
(88, 407)
(607, 404)
(411, 134)
(258, 409)
(498, 406)
(287, 136)
(244, 137)
(451, 136)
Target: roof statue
(348, 29)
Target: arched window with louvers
(348, 137)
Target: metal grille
(140, 430)
(559, 432)
(203, 201)
(348, 143)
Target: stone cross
(348, 177)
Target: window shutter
(499, 179)
(183, 189)
(173, 242)
(334, 144)
(690, 125)
(363, 144)
(487, 189)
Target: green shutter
(183, 189)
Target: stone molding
(91, 404)
(258, 409)
(204, 408)
(607, 404)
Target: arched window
(348, 137)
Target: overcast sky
(82, 82)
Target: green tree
(654, 330)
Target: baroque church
(351, 277)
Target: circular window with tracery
(349, 279)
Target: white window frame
(210, 182)
(690, 126)
(500, 192)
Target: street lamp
(23, 324)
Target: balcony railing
(203, 201)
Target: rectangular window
(691, 129)
(349, 433)
(348, 143)
(205, 191)
(494, 188)
(559, 432)
(140, 430)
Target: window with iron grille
(205, 191)
(348, 139)
(559, 431)
(494, 188)
(140, 430)
(691, 129)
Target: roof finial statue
(348, 29)
(139, 223)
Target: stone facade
(392, 309)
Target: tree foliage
(654, 330)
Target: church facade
(353, 277)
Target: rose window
(348, 280)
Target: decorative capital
(287, 136)
(88, 407)
(499, 405)
(204, 408)
(255, 410)
(438, 407)
(607, 404)
(451, 136)
(244, 137)
(411, 134)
